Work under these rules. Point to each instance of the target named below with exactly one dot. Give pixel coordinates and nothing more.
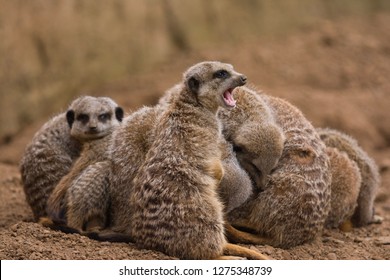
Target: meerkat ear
(193, 84)
(70, 117)
(119, 113)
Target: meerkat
(255, 130)
(130, 144)
(291, 208)
(81, 197)
(370, 178)
(345, 187)
(55, 147)
(173, 203)
(236, 185)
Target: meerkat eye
(104, 117)
(84, 118)
(221, 74)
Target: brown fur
(292, 207)
(345, 187)
(236, 186)
(257, 139)
(80, 199)
(173, 205)
(370, 179)
(53, 150)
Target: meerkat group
(289, 207)
(200, 159)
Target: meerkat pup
(81, 197)
(174, 205)
(345, 187)
(370, 178)
(55, 147)
(291, 208)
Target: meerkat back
(130, 144)
(46, 160)
(370, 179)
(345, 187)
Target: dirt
(336, 73)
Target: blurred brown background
(52, 51)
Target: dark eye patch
(84, 118)
(221, 74)
(104, 117)
(238, 149)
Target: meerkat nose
(243, 79)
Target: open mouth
(228, 98)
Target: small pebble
(332, 256)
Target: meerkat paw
(346, 226)
(46, 222)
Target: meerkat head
(93, 117)
(212, 83)
(258, 149)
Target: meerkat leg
(238, 236)
(88, 199)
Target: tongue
(228, 98)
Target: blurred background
(328, 57)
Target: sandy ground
(337, 74)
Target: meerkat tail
(238, 236)
(232, 250)
(110, 236)
(104, 235)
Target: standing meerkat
(370, 179)
(292, 206)
(174, 205)
(54, 148)
(345, 187)
(236, 185)
(81, 197)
